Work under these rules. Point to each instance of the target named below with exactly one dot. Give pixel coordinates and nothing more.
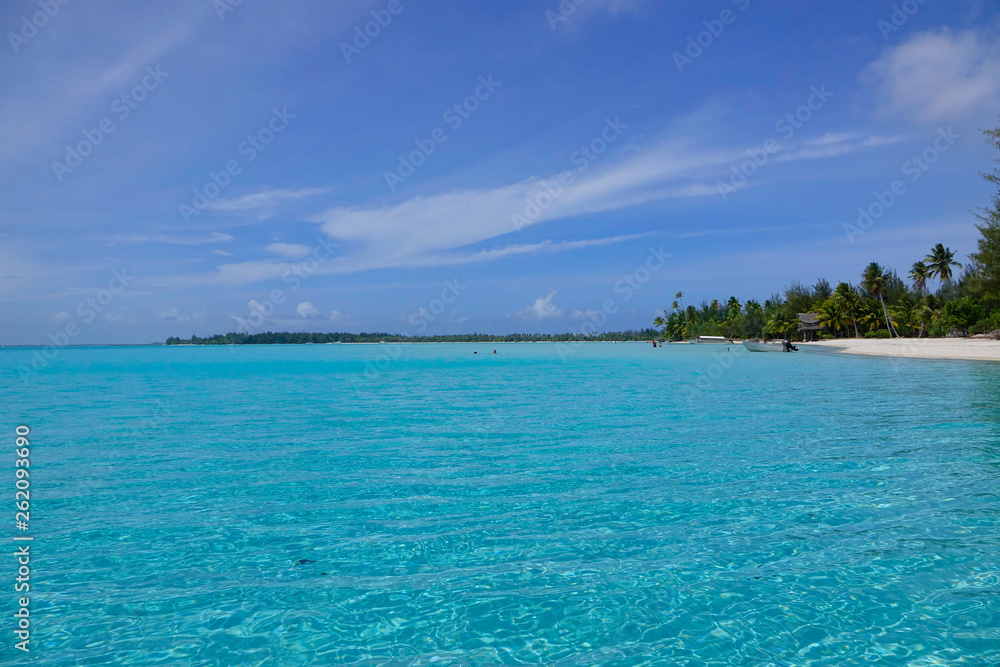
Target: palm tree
(733, 306)
(832, 316)
(939, 261)
(904, 316)
(680, 297)
(781, 324)
(870, 319)
(873, 280)
(851, 301)
(920, 274)
(921, 313)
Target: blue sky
(175, 168)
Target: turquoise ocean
(595, 504)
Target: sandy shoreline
(916, 348)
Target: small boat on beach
(711, 340)
(769, 346)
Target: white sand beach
(919, 348)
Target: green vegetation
(284, 338)
(882, 305)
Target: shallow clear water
(597, 504)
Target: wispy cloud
(290, 250)
(438, 229)
(832, 145)
(265, 202)
(214, 237)
(428, 225)
(245, 273)
(519, 249)
(65, 93)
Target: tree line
(881, 305)
(286, 338)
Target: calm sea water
(601, 504)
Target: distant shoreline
(404, 342)
(305, 338)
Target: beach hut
(809, 323)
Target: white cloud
(420, 231)
(544, 308)
(883, 141)
(214, 237)
(438, 229)
(338, 317)
(175, 314)
(245, 273)
(521, 249)
(61, 316)
(833, 145)
(937, 77)
(830, 138)
(222, 253)
(265, 201)
(307, 310)
(290, 250)
(407, 233)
